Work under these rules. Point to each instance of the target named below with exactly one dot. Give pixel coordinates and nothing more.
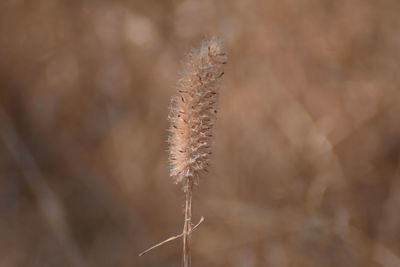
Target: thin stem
(188, 223)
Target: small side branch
(171, 238)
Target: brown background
(305, 166)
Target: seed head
(193, 110)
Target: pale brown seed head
(193, 110)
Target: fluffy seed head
(193, 110)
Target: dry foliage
(306, 168)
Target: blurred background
(306, 161)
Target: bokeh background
(306, 161)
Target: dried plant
(192, 117)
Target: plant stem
(187, 228)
